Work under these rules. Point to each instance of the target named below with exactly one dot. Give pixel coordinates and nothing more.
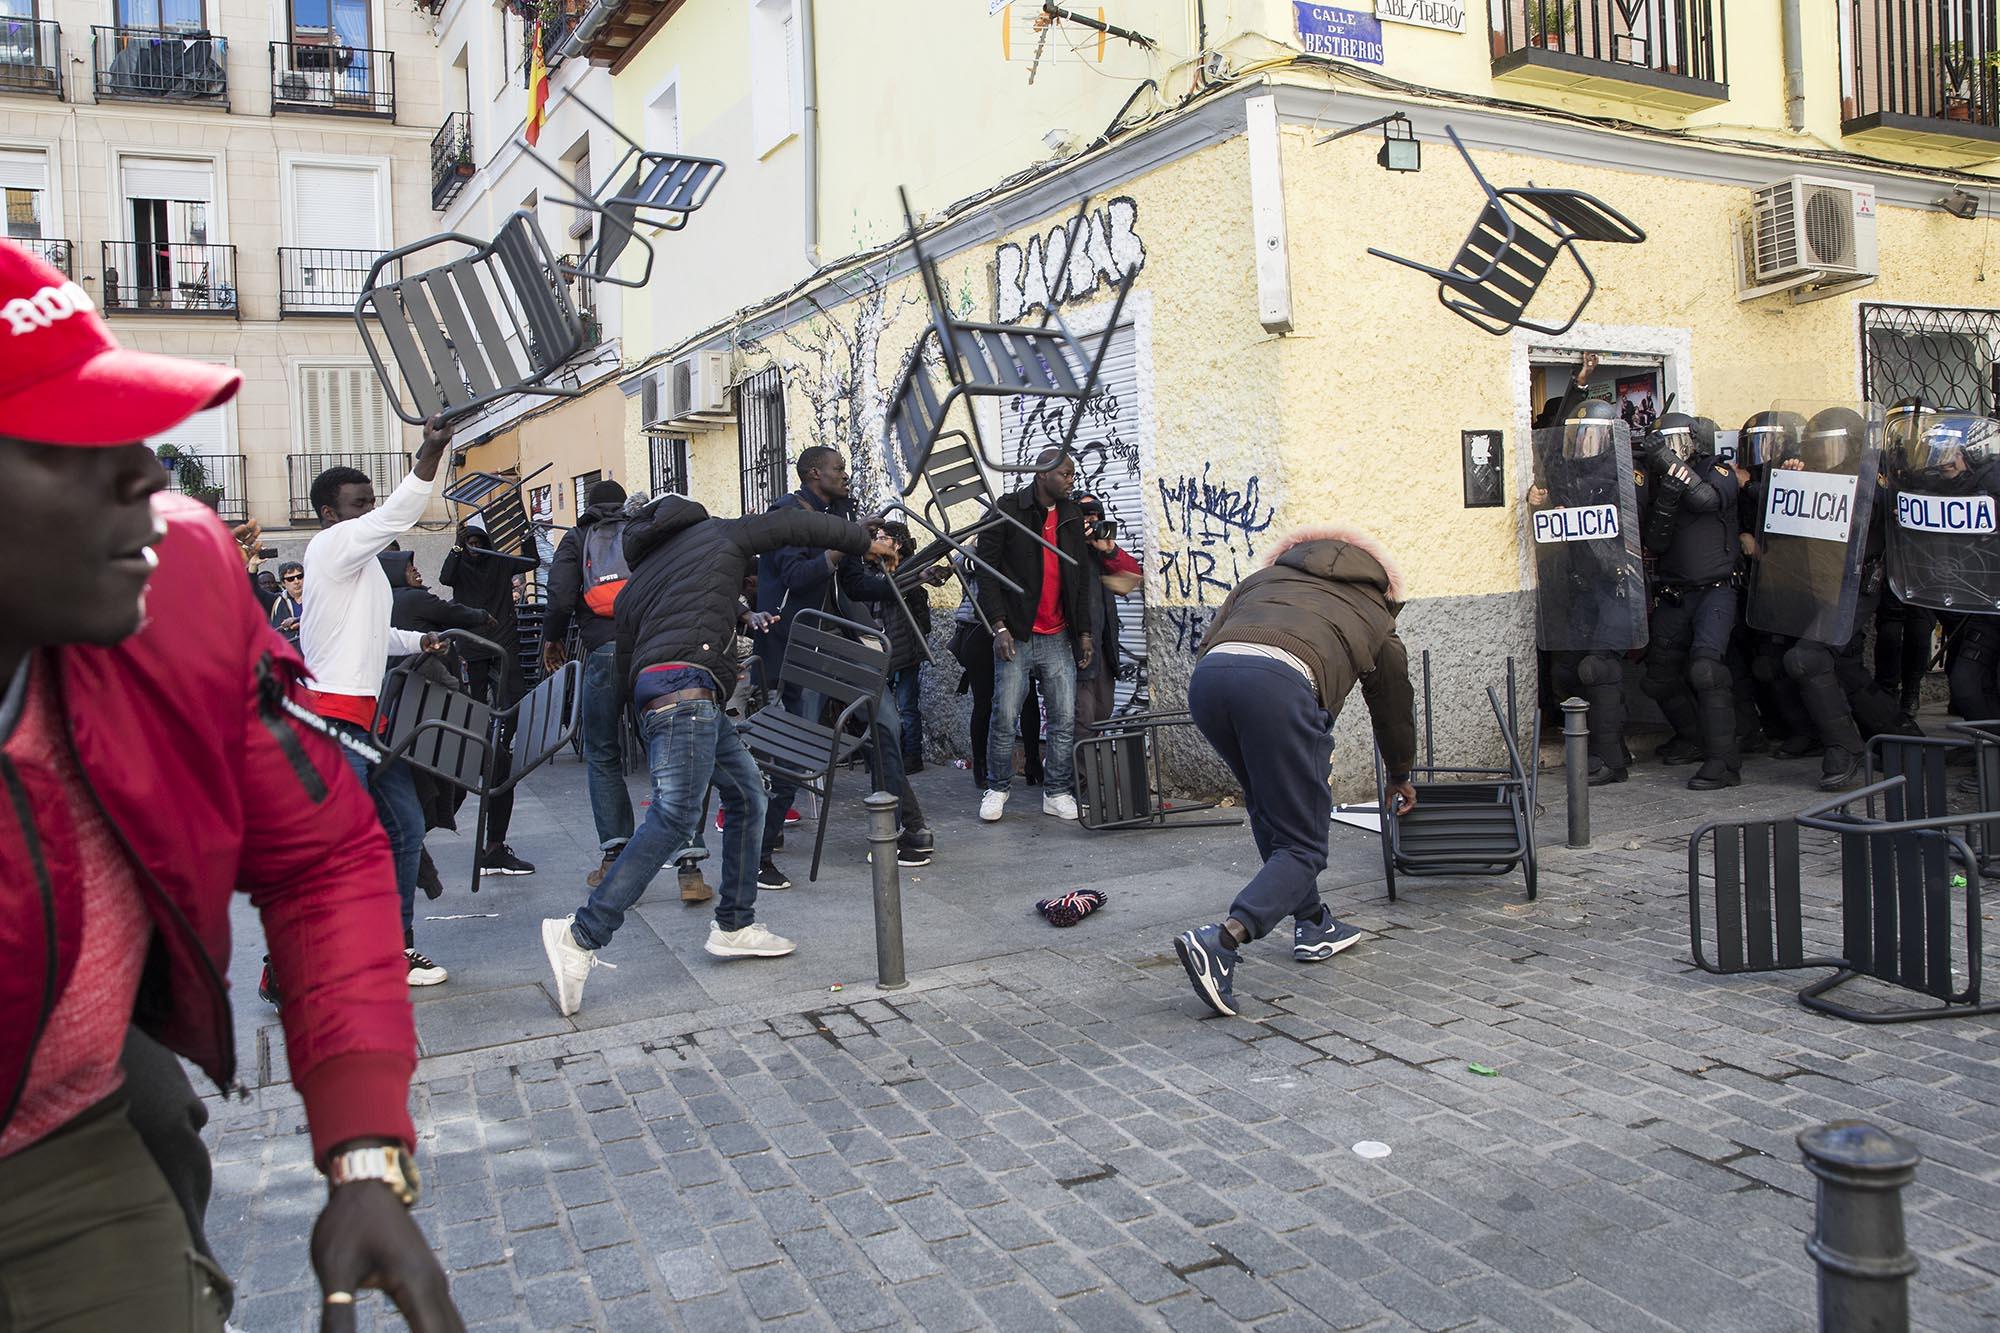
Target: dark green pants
(91, 1238)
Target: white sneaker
(992, 805)
(570, 961)
(1062, 805)
(423, 972)
(753, 941)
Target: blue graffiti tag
(1210, 513)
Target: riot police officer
(1590, 589)
(1903, 632)
(1768, 440)
(1691, 528)
(1944, 549)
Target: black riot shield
(1583, 515)
(1944, 527)
(1813, 532)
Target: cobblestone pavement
(1053, 1135)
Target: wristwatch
(392, 1165)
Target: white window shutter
(793, 77)
(337, 207)
(343, 411)
(203, 433)
(167, 178)
(23, 170)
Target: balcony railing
(169, 278)
(214, 479)
(1923, 67)
(384, 469)
(57, 251)
(323, 282)
(160, 65)
(333, 80)
(451, 159)
(1673, 48)
(30, 56)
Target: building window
(186, 14)
(760, 423)
(507, 46)
(342, 411)
(670, 464)
(580, 487)
(24, 182)
(332, 22)
(777, 79)
(205, 434)
(1948, 357)
(663, 120)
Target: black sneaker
(770, 877)
(1210, 961)
(915, 848)
(502, 861)
(423, 972)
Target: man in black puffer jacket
(1281, 657)
(676, 633)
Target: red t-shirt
(1049, 618)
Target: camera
(267, 553)
(1100, 530)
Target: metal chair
(1119, 782)
(839, 660)
(492, 323)
(1513, 245)
(1042, 360)
(497, 501)
(660, 191)
(467, 742)
(1467, 821)
(1894, 910)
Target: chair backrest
(441, 731)
(669, 183)
(545, 719)
(953, 474)
(497, 501)
(916, 412)
(843, 660)
(449, 327)
(1502, 264)
(1575, 215)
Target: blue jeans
(1269, 727)
(1051, 660)
(603, 751)
(688, 745)
(402, 815)
(907, 686)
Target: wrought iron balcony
(57, 251)
(1922, 72)
(30, 56)
(214, 479)
(451, 159)
(160, 65)
(384, 469)
(327, 79)
(323, 282)
(1662, 53)
(169, 278)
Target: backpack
(604, 567)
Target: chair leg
(825, 808)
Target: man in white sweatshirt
(345, 636)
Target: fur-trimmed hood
(1336, 551)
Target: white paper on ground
(1359, 816)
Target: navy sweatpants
(1267, 724)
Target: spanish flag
(538, 89)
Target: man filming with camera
(1118, 575)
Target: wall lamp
(1960, 204)
(1401, 150)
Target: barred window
(760, 423)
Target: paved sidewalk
(1045, 1130)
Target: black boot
(1603, 774)
(1802, 746)
(1722, 763)
(1840, 764)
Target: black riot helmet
(1769, 438)
(1673, 438)
(1951, 450)
(1908, 417)
(1590, 430)
(1834, 440)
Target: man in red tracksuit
(144, 743)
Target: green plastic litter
(1484, 1071)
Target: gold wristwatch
(392, 1165)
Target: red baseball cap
(65, 380)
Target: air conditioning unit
(1804, 225)
(698, 386)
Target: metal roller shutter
(164, 178)
(337, 208)
(1107, 465)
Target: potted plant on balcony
(1549, 21)
(464, 164)
(190, 478)
(1954, 63)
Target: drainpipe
(585, 32)
(809, 86)
(1795, 65)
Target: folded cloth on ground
(1071, 907)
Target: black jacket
(1019, 556)
(483, 579)
(566, 584)
(1692, 529)
(1326, 601)
(687, 574)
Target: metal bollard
(882, 808)
(1576, 768)
(1857, 1241)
